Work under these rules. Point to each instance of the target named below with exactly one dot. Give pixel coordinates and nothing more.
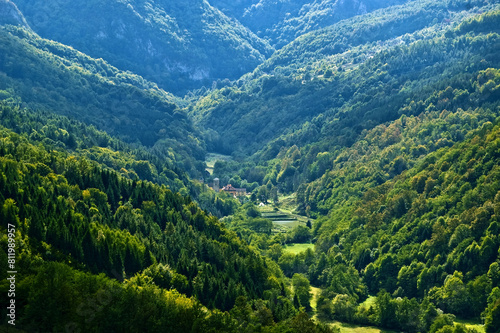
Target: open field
(282, 215)
(471, 324)
(280, 218)
(297, 248)
(289, 223)
(348, 328)
(370, 301)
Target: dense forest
(293, 82)
(80, 223)
(282, 21)
(366, 136)
(46, 75)
(180, 45)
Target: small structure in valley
(216, 185)
(233, 190)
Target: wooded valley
(364, 137)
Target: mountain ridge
(181, 53)
(282, 21)
(10, 14)
(295, 80)
(58, 78)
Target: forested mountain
(75, 218)
(395, 152)
(262, 16)
(46, 75)
(373, 128)
(323, 13)
(10, 14)
(282, 21)
(178, 44)
(324, 72)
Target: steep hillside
(235, 8)
(180, 44)
(429, 236)
(64, 134)
(84, 232)
(10, 14)
(131, 161)
(330, 73)
(262, 16)
(282, 21)
(318, 146)
(354, 40)
(47, 75)
(402, 180)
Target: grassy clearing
(471, 324)
(211, 158)
(282, 214)
(287, 204)
(348, 328)
(297, 248)
(283, 219)
(315, 294)
(287, 224)
(266, 209)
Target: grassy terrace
(283, 215)
(297, 248)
